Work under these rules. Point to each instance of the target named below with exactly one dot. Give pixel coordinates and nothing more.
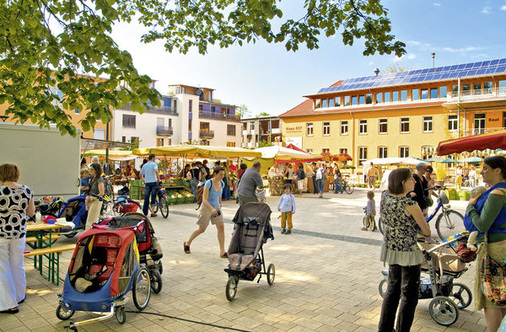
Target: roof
(304, 108)
(474, 69)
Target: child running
(370, 210)
(286, 206)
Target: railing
(481, 94)
(164, 131)
(206, 134)
(477, 131)
(167, 110)
(219, 116)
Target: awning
(198, 151)
(494, 140)
(283, 155)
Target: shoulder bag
(493, 278)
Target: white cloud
(486, 10)
(503, 8)
(462, 49)
(411, 56)
(437, 4)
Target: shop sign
(293, 129)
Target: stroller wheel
(70, 234)
(231, 289)
(141, 291)
(156, 281)
(271, 274)
(382, 287)
(461, 295)
(443, 310)
(62, 313)
(159, 266)
(120, 314)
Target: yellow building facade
(402, 114)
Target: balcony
(206, 134)
(164, 131)
(166, 110)
(476, 98)
(219, 116)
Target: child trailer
(103, 269)
(443, 265)
(150, 251)
(245, 253)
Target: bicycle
(109, 189)
(161, 201)
(368, 222)
(448, 222)
(347, 187)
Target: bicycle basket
(443, 198)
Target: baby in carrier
(471, 242)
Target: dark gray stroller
(245, 253)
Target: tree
(53, 46)
(242, 111)
(262, 114)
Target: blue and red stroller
(245, 252)
(104, 268)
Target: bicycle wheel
(365, 221)
(382, 287)
(380, 226)
(164, 207)
(349, 189)
(155, 206)
(461, 295)
(449, 223)
(109, 190)
(141, 289)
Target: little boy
(370, 210)
(286, 206)
(85, 181)
(471, 242)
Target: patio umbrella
(447, 161)
(471, 160)
(283, 155)
(494, 140)
(198, 151)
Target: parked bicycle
(162, 202)
(347, 187)
(448, 222)
(109, 189)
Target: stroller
(442, 265)
(150, 251)
(73, 210)
(245, 253)
(103, 269)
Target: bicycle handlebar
(100, 198)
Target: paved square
(327, 275)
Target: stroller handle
(441, 245)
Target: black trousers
(403, 284)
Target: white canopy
(394, 161)
(279, 152)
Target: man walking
(372, 175)
(150, 177)
(250, 180)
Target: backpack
(199, 192)
(300, 174)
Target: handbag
(492, 277)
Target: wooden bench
(53, 256)
(32, 239)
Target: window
(487, 88)
(134, 139)
(477, 88)
(326, 128)
(331, 102)
(368, 98)
(159, 142)
(309, 127)
(324, 103)
(404, 125)
(382, 152)
(354, 100)
(128, 121)
(231, 144)
(455, 89)
(425, 94)
(395, 96)
(251, 126)
(453, 122)
(325, 150)
(415, 94)
(230, 130)
(479, 124)
(387, 97)
(346, 100)
(166, 102)
(338, 101)
(363, 127)
(427, 124)
(309, 150)
(99, 134)
(433, 93)
(443, 91)
(361, 100)
(244, 126)
(213, 109)
(404, 95)
(190, 105)
(123, 139)
(343, 151)
(362, 154)
(318, 103)
(404, 152)
(383, 126)
(175, 104)
(466, 89)
(502, 86)
(379, 98)
(344, 127)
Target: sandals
(186, 248)
(10, 311)
(225, 255)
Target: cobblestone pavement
(327, 275)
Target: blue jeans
(319, 185)
(315, 185)
(149, 190)
(337, 186)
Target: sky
(267, 78)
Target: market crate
(464, 195)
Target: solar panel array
(421, 75)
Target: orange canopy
(493, 140)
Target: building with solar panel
(400, 114)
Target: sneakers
(288, 231)
(153, 214)
(283, 231)
(364, 228)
